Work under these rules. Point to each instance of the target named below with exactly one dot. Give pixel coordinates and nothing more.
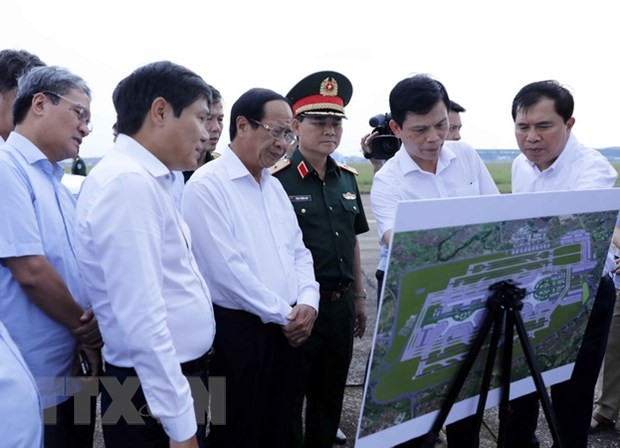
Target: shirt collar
(236, 168)
(298, 158)
(571, 146)
(407, 164)
(142, 156)
(33, 155)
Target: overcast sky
(483, 51)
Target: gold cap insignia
(329, 87)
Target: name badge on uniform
(301, 198)
(349, 196)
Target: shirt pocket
(471, 189)
(306, 209)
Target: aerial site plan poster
(445, 254)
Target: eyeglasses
(82, 111)
(289, 137)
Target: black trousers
(572, 399)
(149, 433)
(327, 356)
(65, 432)
(262, 373)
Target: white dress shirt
(247, 240)
(21, 417)
(152, 304)
(460, 172)
(577, 168)
(37, 218)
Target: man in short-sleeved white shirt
(42, 303)
(425, 167)
(552, 159)
(459, 171)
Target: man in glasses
(43, 298)
(249, 248)
(330, 213)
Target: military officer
(329, 210)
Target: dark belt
(334, 292)
(197, 364)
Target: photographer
(381, 144)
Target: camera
(385, 144)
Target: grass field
(500, 171)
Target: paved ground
(353, 397)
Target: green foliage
(364, 179)
(500, 171)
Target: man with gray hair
(43, 304)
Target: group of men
(552, 160)
(250, 271)
(144, 276)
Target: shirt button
(303, 210)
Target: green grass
(500, 171)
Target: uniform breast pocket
(349, 206)
(471, 189)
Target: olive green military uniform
(330, 214)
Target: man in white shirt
(249, 248)
(427, 166)
(43, 302)
(21, 417)
(153, 305)
(552, 159)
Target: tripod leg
(504, 405)
(488, 372)
(457, 385)
(537, 377)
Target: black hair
(134, 95)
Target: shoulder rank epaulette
(280, 165)
(350, 169)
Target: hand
(617, 268)
(361, 316)
(367, 140)
(88, 332)
(301, 319)
(189, 443)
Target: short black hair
(13, 64)
(251, 105)
(417, 94)
(456, 107)
(134, 95)
(532, 93)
